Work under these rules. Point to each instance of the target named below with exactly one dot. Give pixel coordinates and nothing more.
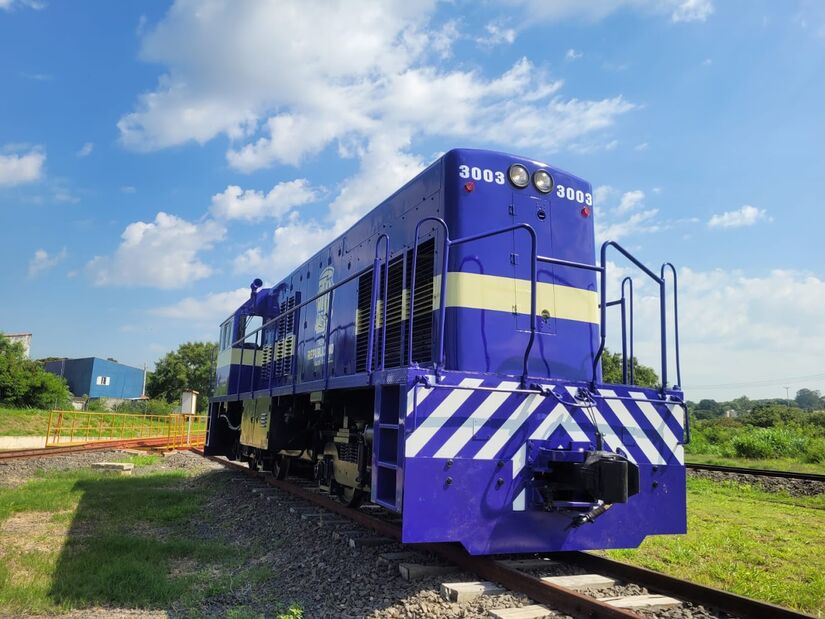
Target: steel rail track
(757, 472)
(559, 598)
(95, 446)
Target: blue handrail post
(629, 281)
(442, 300)
(603, 307)
(667, 265)
(376, 276)
(326, 338)
(254, 363)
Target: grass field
(776, 464)
(23, 422)
(763, 545)
(80, 539)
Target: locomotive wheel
(280, 466)
(254, 463)
(351, 497)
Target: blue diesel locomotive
(442, 359)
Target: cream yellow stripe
(505, 294)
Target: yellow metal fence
(78, 427)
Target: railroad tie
(533, 611)
(364, 542)
(417, 571)
(639, 602)
(466, 591)
(581, 582)
(529, 564)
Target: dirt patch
(32, 532)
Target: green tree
(612, 371)
(808, 399)
(24, 383)
(189, 367)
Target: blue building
(99, 378)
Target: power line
(765, 382)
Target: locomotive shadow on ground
(131, 544)
(157, 543)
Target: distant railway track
(757, 472)
(507, 574)
(135, 443)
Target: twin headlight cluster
(520, 177)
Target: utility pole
(787, 397)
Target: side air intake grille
(285, 340)
(422, 315)
(398, 311)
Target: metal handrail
(376, 277)
(442, 310)
(628, 361)
(672, 268)
(300, 306)
(603, 307)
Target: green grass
(141, 460)
(777, 464)
(763, 545)
(81, 539)
(23, 422)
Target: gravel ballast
(305, 561)
(793, 487)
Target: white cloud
(692, 10)
(746, 216)
(252, 205)
(86, 149)
(237, 70)
(210, 309)
(642, 222)
(292, 244)
(128, 189)
(594, 10)
(9, 5)
(572, 55)
(630, 200)
(370, 83)
(42, 261)
(19, 168)
(162, 253)
(497, 34)
(643, 146)
(737, 327)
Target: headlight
(519, 175)
(543, 181)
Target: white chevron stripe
(678, 413)
(660, 426)
(559, 416)
(642, 440)
(609, 436)
(519, 458)
(484, 411)
(440, 416)
(518, 502)
(418, 394)
(509, 427)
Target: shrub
(155, 406)
(763, 443)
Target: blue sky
(156, 156)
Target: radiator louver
(398, 311)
